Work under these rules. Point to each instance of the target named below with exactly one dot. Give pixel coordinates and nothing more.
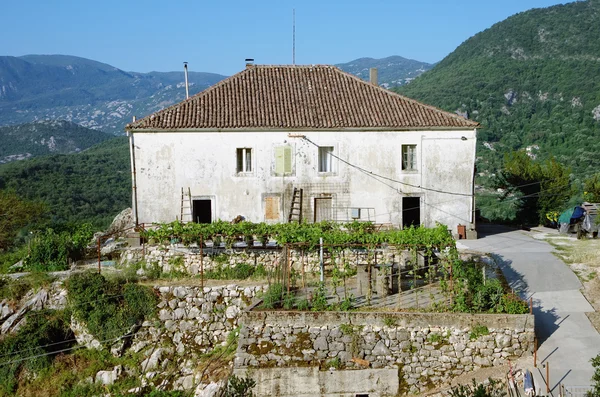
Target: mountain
(532, 81)
(23, 141)
(86, 92)
(392, 71)
(90, 186)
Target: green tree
(595, 392)
(530, 188)
(591, 188)
(15, 214)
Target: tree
(591, 188)
(595, 392)
(530, 188)
(15, 214)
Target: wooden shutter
(272, 205)
(283, 160)
(287, 159)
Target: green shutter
(283, 160)
(287, 159)
(279, 160)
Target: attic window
(244, 160)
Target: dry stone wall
(426, 349)
(195, 319)
(190, 261)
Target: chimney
(373, 76)
(187, 90)
(249, 63)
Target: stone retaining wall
(195, 319)
(426, 349)
(187, 260)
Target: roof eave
(284, 129)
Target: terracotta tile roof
(298, 97)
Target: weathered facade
(356, 150)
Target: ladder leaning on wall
(186, 206)
(296, 206)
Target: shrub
(33, 347)
(319, 299)
(492, 389)
(273, 295)
(239, 387)
(477, 331)
(109, 308)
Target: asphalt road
(567, 339)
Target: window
(244, 160)
(283, 160)
(409, 157)
(326, 159)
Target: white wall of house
(206, 162)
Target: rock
(503, 341)
(210, 390)
(321, 344)
(83, 336)
(122, 223)
(232, 312)
(184, 383)
(109, 377)
(153, 361)
(381, 349)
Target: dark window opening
(411, 211)
(362, 395)
(202, 211)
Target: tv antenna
(294, 37)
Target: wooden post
(531, 305)
(547, 378)
(535, 351)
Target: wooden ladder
(186, 205)
(296, 206)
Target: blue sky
(216, 36)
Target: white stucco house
(356, 150)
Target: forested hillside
(532, 81)
(92, 186)
(46, 137)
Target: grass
(583, 256)
(477, 331)
(15, 290)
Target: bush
(273, 296)
(33, 347)
(51, 250)
(492, 389)
(239, 387)
(109, 308)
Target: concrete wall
(206, 163)
(423, 350)
(311, 382)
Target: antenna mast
(294, 38)
(187, 90)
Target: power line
(388, 178)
